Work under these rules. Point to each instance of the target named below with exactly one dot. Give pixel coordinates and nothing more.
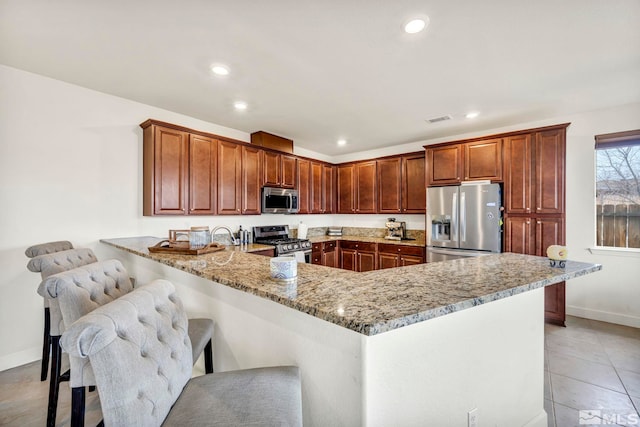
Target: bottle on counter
(240, 233)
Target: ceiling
(318, 71)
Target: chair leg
(208, 358)
(46, 345)
(54, 380)
(77, 407)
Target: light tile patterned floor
(589, 365)
(592, 366)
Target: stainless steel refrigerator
(463, 221)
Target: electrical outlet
(473, 417)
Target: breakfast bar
(402, 346)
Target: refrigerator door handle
(463, 217)
(454, 217)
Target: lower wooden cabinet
(325, 253)
(357, 256)
(265, 252)
(390, 256)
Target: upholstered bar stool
(81, 290)
(140, 353)
(34, 251)
(48, 265)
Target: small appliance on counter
(396, 230)
(334, 231)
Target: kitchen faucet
(234, 241)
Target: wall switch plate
(473, 417)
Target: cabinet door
(329, 258)
(271, 169)
(444, 164)
(555, 304)
(170, 154)
(483, 160)
(366, 261)
(549, 231)
(288, 171)
(304, 185)
(518, 236)
(202, 175)
(388, 260)
(348, 259)
(390, 185)
(345, 188)
(517, 175)
(549, 171)
(414, 191)
(229, 178)
(316, 195)
(366, 201)
(328, 183)
(410, 260)
(251, 180)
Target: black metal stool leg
(46, 345)
(208, 358)
(54, 381)
(77, 407)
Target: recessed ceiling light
(472, 115)
(240, 105)
(220, 70)
(342, 142)
(416, 25)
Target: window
(618, 189)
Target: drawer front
(359, 246)
(316, 247)
(329, 246)
(401, 249)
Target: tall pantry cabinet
(534, 201)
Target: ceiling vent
(440, 119)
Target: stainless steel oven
(279, 200)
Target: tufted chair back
(56, 262)
(48, 248)
(140, 352)
(81, 290)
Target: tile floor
(589, 365)
(592, 366)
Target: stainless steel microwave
(280, 200)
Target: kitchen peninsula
(401, 346)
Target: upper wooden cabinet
(365, 186)
(304, 186)
(179, 172)
(444, 164)
(251, 180)
(471, 161)
(279, 170)
(401, 184)
(345, 188)
(316, 196)
(535, 172)
(229, 178)
(329, 188)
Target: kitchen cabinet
(251, 180)
(390, 255)
(325, 253)
(316, 196)
(453, 163)
(357, 256)
(357, 188)
(517, 174)
(329, 185)
(401, 184)
(304, 185)
(279, 170)
(229, 178)
(179, 172)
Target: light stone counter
(373, 302)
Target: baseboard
(604, 316)
(539, 421)
(20, 358)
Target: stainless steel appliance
(463, 221)
(279, 200)
(278, 236)
(396, 230)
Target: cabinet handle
(398, 249)
(457, 177)
(538, 222)
(527, 209)
(538, 208)
(528, 222)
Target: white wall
(70, 168)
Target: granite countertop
(377, 301)
(416, 242)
